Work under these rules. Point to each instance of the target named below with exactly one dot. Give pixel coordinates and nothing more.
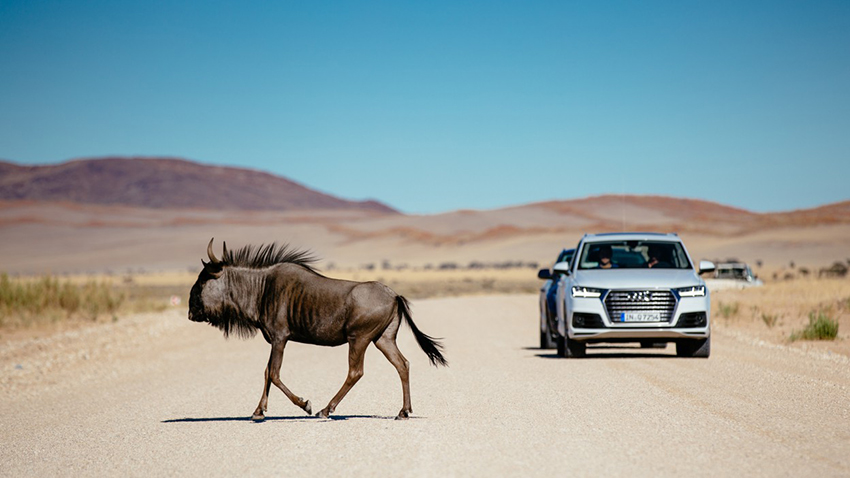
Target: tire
(546, 341)
(570, 348)
(694, 348)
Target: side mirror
(562, 268)
(706, 266)
(544, 274)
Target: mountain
(165, 183)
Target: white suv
(633, 287)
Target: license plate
(640, 317)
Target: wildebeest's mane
(262, 256)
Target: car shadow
(281, 419)
(613, 352)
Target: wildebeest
(277, 291)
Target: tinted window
(565, 256)
(634, 255)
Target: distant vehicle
(548, 295)
(633, 287)
(737, 271)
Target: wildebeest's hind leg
(387, 345)
(356, 354)
(272, 375)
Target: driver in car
(605, 257)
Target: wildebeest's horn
(224, 250)
(213, 260)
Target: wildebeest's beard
(229, 319)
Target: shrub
(837, 269)
(821, 327)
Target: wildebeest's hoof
(323, 413)
(308, 407)
(402, 415)
(258, 417)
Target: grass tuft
(728, 310)
(821, 327)
(769, 319)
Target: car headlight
(694, 291)
(586, 292)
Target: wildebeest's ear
(213, 269)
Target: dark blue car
(548, 294)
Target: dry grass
(805, 311)
(38, 305)
(774, 312)
(36, 302)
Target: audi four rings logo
(639, 296)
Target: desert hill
(59, 237)
(165, 183)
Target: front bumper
(690, 320)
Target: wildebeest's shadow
(281, 419)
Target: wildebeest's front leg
(272, 375)
(356, 354)
(264, 400)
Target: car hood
(636, 278)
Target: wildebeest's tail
(431, 346)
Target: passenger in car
(658, 257)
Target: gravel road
(158, 395)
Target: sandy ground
(158, 395)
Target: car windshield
(633, 255)
(732, 272)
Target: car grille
(660, 301)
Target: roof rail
(637, 233)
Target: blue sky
(435, 106)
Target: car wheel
(694, 348)
(576, 349)
(570, 348)
(546, 341)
